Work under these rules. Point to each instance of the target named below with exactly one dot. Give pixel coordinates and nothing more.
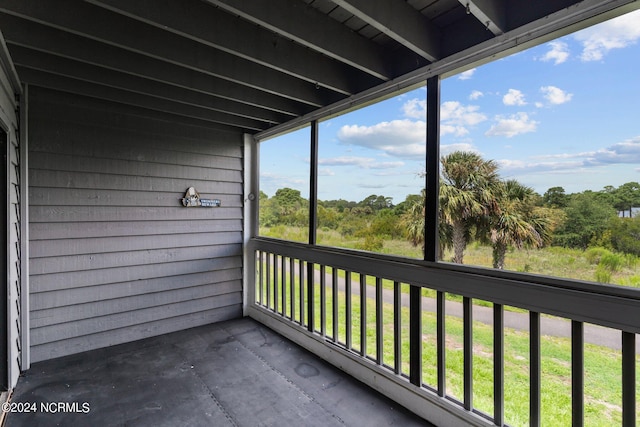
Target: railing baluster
(535, 368)
(268, 278)
(261, 277)
(323, 301)
(292, 288)
(283, 287)
(363, 315)
(415, 335)
(468, 352)
(334, 297)
(379, 322)
(628, 379)
(577, 373)
(498, 364)
(397, 328)
(301, 290)
(347, 291)
(311, 309)
(276, 283)
(441, 344)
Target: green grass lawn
(602, 365)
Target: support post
(535, 372)
(24, 229)
(577, 373)
(415, 335)
(251, 192)
(313, 222)
(432, 178)
(628, 379)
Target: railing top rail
(607, 305)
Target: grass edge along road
(602, 375)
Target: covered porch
(154, 308)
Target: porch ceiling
(246, 65)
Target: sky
(565, 113)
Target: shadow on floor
(235, 373)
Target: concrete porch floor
(235, 373)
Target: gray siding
(114, 257)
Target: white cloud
(466, 75)
(456, 117)
(476, 94)
(386, 165)
(415, 108)
(270, 182)
(453, 130)
(325, 172)
(626, 152)
(514, 97)
(558, 52)
(450, 148)
(519, 166)
(373, 186)
(555, 95)
(617, 33)
(453, 111)
(362, 162)
(401, 138)
(513, 125)
(539, 104)
(622, 152)
(346, 161)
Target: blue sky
(565, 113)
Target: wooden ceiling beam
(34, 36)
(311, 28)
(400, 21)
(213, 27)
(92, 90)
(491, 13)
(36, 60)
(127, 34)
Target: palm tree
(467, 195)
(517, 222)
(413, 223)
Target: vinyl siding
(114, 257)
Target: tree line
(475, 205)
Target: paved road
(550, 326)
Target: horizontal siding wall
(114, 257)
